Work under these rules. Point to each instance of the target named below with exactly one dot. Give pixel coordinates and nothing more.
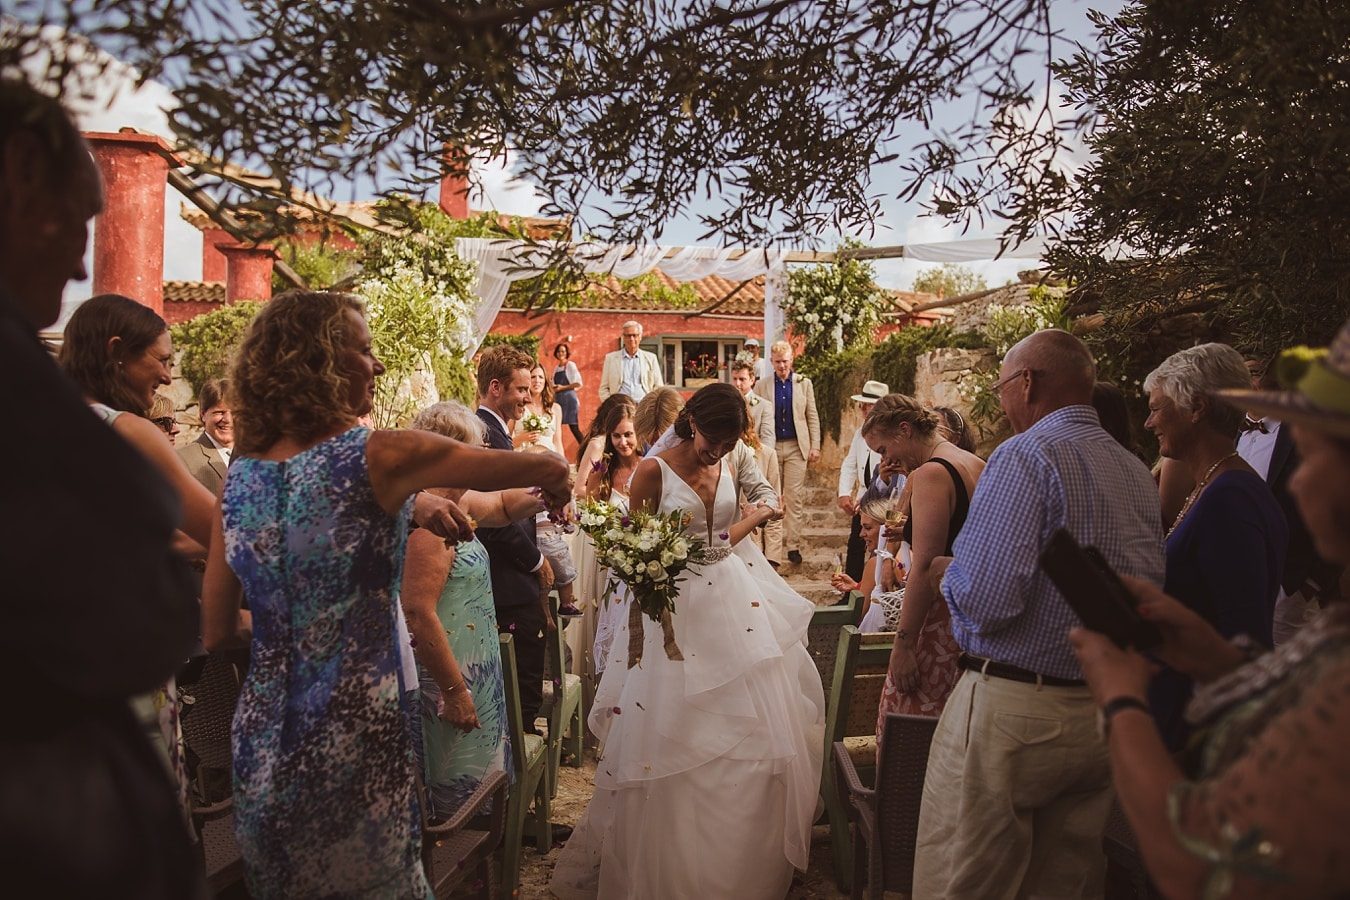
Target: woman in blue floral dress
(313, 524)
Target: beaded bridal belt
(716, 554)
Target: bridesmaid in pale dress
(610, 482)
(541, 404)
(591, 576)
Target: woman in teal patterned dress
(447, 597)
(312, 530)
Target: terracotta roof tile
(194, 291)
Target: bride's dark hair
(718, 410)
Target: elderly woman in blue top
(1018, 785)
(1225, 551)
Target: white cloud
(496, 186)
(919, 228)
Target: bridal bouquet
(648, 552)
(535, 423)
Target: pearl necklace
(1195, 492)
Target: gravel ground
(574, 791)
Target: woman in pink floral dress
(941, 480)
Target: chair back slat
(905, 742)
(822, 635)
(511, 686)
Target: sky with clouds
(120, 105)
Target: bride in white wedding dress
(708, 782)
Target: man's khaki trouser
(771, 535)
(792, 475)
(1016, 796)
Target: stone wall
(941, 378)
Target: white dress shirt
(1256, 448)
(220, 448)
(860, 460)
(632, 376)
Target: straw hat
(1317, 386)
(872, 391)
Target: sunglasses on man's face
(165, 423)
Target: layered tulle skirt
(709, 777)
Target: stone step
(817, 561)
(825, 535)
(819, 496)
(819, 592)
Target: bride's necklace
(1195, 493)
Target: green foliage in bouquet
(648, 552)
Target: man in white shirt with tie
(1269, 449)
(630, 371)
(855, 475)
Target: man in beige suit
(796, 437)
(630, 371)
(209, 455)
(761, 423)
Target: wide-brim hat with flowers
(1317, 388)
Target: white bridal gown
(708, 783)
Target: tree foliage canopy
(949, 280)
(781, 107)
(1219, 178)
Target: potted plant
(700, 371)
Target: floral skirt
(936, 653)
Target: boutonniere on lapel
(754, 399)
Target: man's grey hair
(1188, 376)
(451, 419)
(631, 323)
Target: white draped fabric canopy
(500, 262)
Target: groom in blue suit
(521, 575)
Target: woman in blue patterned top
(312, 528)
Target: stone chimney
(248, 272)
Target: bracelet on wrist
(1116, 705)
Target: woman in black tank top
(923, 659)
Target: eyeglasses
(165, 423)
(998, 386)
(630, 335)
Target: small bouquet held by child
(649, 553)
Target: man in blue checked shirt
(1019, 783)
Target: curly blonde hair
(286, 380)
(894, 409)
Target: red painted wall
(593, 333)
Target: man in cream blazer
(796, 437)
(761, 423)
(630, 371)
(208, 456)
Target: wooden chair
(529, 756)
(452, 851)
(823, 635)
(1125, 872)
(563, 705)
(885, 817)
(859, 675)
(209, 706)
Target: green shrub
(895, 359)
(455, 380)
(835, 377)
(525, 343)
(206, 344)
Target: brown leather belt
(1013, 673)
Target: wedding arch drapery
(500, 262)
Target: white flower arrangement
(648, 552)
(535, 423)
